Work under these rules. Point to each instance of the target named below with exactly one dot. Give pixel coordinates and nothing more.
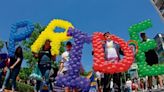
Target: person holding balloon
(44, 63)
(13, 70)
(64, 63)
(112, 54)
(151, 59)
(65, 57)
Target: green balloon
(143, 68)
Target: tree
(1, 44)
(28, 56)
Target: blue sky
(114, 16)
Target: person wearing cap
(151, 59)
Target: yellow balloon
(55, 38)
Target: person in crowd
(111, 85)
(44, 63)
(151, 58)
(93, 81)
(99, 80)
(155, 82)
(134, 85)
(64, 63)
(160, 81)
(129, 85)
(112, 54)
(142, 84)
(13, 70)
(52, 75)
(65, 58)
(99, 77)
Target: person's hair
(106, 33)
(68, 43)
(45, 44)
(19, 52)
(92, 52)
(142, 34)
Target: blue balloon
(15, 37)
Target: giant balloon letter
(144, 68)
(55, 38)
(15, 36)
(72, 78)
(102, 65)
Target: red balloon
(104, 66)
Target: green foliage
(62, 48)
(28, 56)
(24, 73)
(1, 45)
(22, 87)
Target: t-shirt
(44, 57)
(151, 56)
(99, 75)
(111, 83)
(129, 84)
(111, 52)
(14, 59)
(65, 58)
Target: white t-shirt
(129, 84)
(110, 51)
(65, 55)
(98, 74)
(65, 58)
(111, 83)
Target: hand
(36, 55)
(54, 57)
(58, 73)
(5, 69)
(12, 67)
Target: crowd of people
(104, 82)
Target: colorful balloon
(134, 45)
(72, 78)
(15, 36)
(143, 68)
(102, 65)
(55, 37)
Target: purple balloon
(72, 78)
